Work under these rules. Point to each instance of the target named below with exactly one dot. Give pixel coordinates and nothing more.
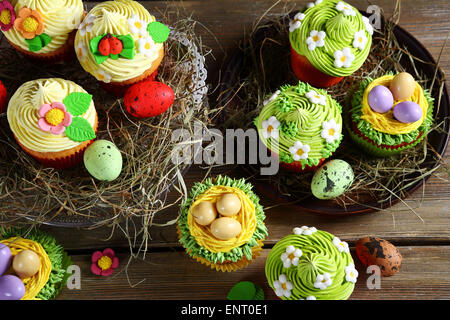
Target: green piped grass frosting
(236, 254)
(333, 36)
(311, 265)
(58, 257)
(301, 123)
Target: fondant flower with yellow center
(341, 245)
(104, 263)
(345, 8)
(344, 58)
(54, 118)
(30, 23)
(272, 97)
(351, 274)
(7, 15)
(283, 287)
(312, 4)
(146, 47)
(270, 128)
(316, 39)
(137, 26)
(316, 98)
(299, 151)
(323, 281)
(291, 256)
(367, 25)
(306, 231)
(330, 131)
(360, 40)
(297, 22)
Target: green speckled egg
(332, 179)
(103, 160)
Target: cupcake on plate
(300, 125)
(41, 29)
(53, 120)
(389, 114)
(329, 41)
(37, 265)
(120, 43)
(222, 224)
(311, 265)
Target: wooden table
(168, 273)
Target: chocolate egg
(11, 288)
(408, 112)
(381, 99)
(26, 264)
(380, 252)
(225, 228)
(332, 179)
(204, 213)
(5, 258)
(228, 205)
(403, 86)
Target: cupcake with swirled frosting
(329, 40)
(120, 43)
(311, 264)
(41, 29)
(53, 120)
(300, 125)
(222, 224)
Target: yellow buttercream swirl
(246, 218)
(23, 114)
(113, 17)
(385, 122)
(61, 17)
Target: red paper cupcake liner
(306, 72)
(119, 90)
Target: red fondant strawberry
(3, 98)
(104, 46)
(148, 99)
(116, 45)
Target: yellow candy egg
(228, 205)
(26, 263)
(403, 86)
(204, 213)
(225, 228)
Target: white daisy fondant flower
(344, 58)
(345, 8)
(330, 131)
(137, 26)
(299, 151)
(283, 287)
(316, 98)
(81, 50)
(270, 128)
(323, 281)
(341, 245)
(316, 39)
(368, 25)
(312, 4)
(103, 76)
(305, 231)
(360, 40)
(146, 46)
(272, 97)
(351, 274)
(87, 24)
(291, 256)
(311, 298)
(296, 23)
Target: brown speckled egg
(380, 252)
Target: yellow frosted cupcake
(41, 29)
(53, 120)
(120, 43)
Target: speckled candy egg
(332, 179)
(376, 251)
(148, 99)
(103, 160)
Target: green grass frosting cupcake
(311, 265)
(302, 124)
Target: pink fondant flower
(104, 263)
(54, 118)
(7, 15)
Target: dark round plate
(437, 140)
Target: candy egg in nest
(380, 252)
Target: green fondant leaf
(100, 58)
(244, 290)
(127, 53)
(80, 130)
(45, 39)
(93, 44)
(127, 41)
(114, 56)
(158, 31)
(34, 44)
(77, 103)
